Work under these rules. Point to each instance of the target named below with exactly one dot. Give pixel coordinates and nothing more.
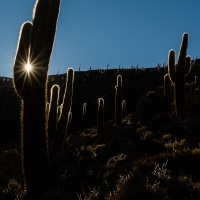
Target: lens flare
(28, 67)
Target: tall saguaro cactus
(177, 73)
(118, 101)
(35, 46)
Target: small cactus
(84, 115)
(100, 114)
(177, 75)
(118, 101)
(167, 89)
(53, 113)
(123, 108)
(195, 79)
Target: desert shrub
(113, 161)
(133, 185)
(177, 146)
(86, 153)
(142, 129)
(147, 135)
(13, 191)
(166, 137)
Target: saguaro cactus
(53, 113)
(123, 108)
(35, 46)
(177, 75)
(62, 127)
(118, 101)
(100, 114)
(84, 116)
(167, 89)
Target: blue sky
(97, 32)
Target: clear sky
(97, 32)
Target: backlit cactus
(177, 75)
(123, 108)
(53, 113)
(167, 89)
(65, 111)
(118, 101)
(35, 46)
(100, 114)
(84, 116)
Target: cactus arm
(38, 57)
(67, 98)
(183, 50)
(167, 85)
(172, 66)
(53, 113)
(187, 68)
(44, 29)
(21, 58)
(53, 20)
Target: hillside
(153, 155)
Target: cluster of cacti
(35, 46)
(65, 113)
(45, 126)
(118, 101)
(177, 73)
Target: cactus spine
(100, 114)
(35, 46)
(118, 101)
(177, 75)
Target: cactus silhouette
(53, 113)
(84, 116)
(177, 75)
(35, 46)
(123, 108)
(62, 127)
(100, 114)
(195, 79)
(167, 89)
(118, 101)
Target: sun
(28, 67)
